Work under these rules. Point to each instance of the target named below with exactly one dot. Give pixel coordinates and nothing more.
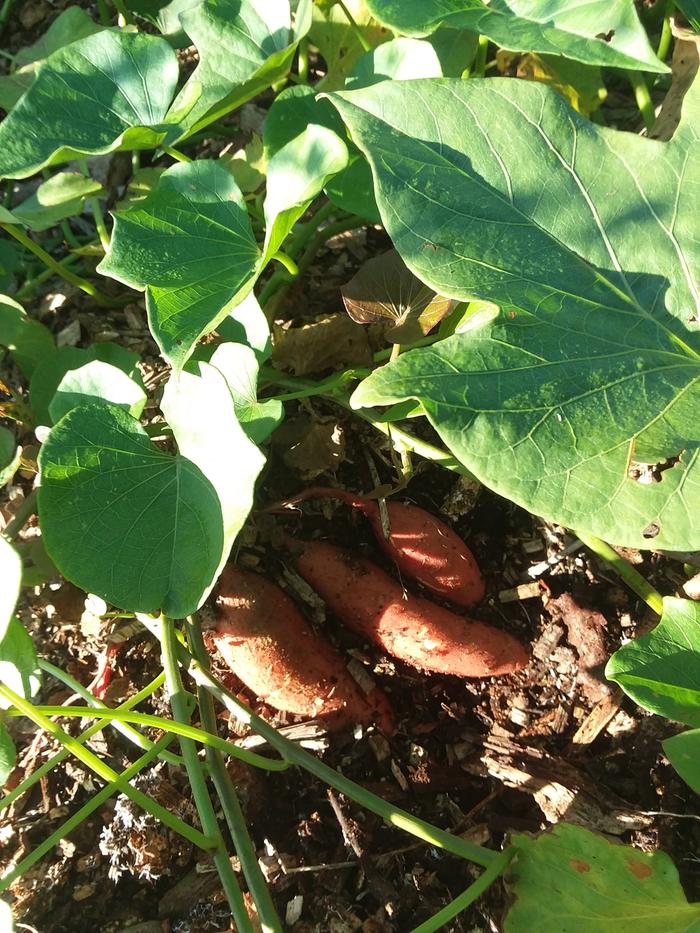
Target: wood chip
(523, 591)
(597, 719)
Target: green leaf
(592, 365)
(352, 189)
(191, 246)
(107, 92)
(598, 32)
(51, 374)
(8, 758)
(19, 668)
(337, 41)
(661, 670)
(57, 198)
(303, 149)
(244, 47)
(683, 751)
(97, 381)
(570, 879)
(239, 367)
(28, 341)
(165, 16)
(10, 455)
(400, 60)
(141, 528)
(691, 11)
(247, 324)
(11, 575)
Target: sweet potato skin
(421, 546)
(411, 629)
(270, 646)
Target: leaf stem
(24, 512)
(176, 154)
(666, 34)
(643, 97)
(230, 804)
(200, 793)
(63, 753)
(634, 580)
(31, 285)
(114, 787)
(298, 756)
(359, 35)
(56, 267)
(126, 729)
(479, 68)
(102, 770)
(467, 897)
(284, 260)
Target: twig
(634, 580)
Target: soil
(480, 758)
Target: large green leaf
(11, 575)
(97, 381)
(106, 92)
(244, 46)
(575, 881)
(29, 342)
(598, 32)
(191, 246)
(593, 364)
(661, 670)
(141, 528)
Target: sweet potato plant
(542, 303)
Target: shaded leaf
(11, 575)
(333, 35)
(599, 32)
(244, 47)
(247, 324)
(594, 359)
(107, 92)
(582, 85)
(190, 245)
(661, 670)
(247, 165)
(334, 342)
(600, 886)
(28, 341)
(8, 757)
(239, 367)
(683, 751)
(19, 668)
(59, 197)
(50, 374)
(399, 59)
(386, 290)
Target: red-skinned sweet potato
(411, 629)
(420, 545)
(268, 644)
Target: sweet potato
(269, 645)
(409, 628)
(420, 545)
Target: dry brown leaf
(334, 342)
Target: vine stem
(126, 729)
(25, 511)
(643, 97)
(180, 709)
(31, 285)
(666, 33)
(180, 728)
(56, 267)
(176, 154)
(267, 915)
(359, 35)
(467, 897)
(114, 787)
(298, 756)
(634, 580)
(63, 753)
(102, 770)
(480, 60)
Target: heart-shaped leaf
(191, 246)
(106, 92)
(661, 670)
(97, 381)
(600, 886)
(11, 575)
(399, 59)
(601, 32)
(141, 528)
(244, 46)
(593, 365)
(239, 367)
(54, 372)
(385, 290)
